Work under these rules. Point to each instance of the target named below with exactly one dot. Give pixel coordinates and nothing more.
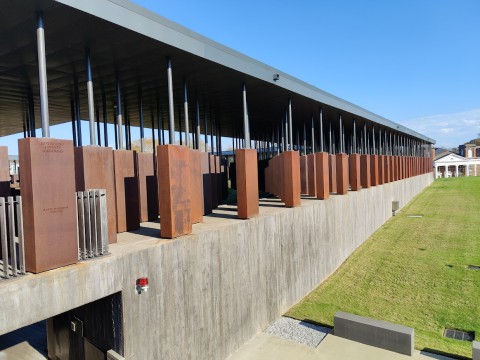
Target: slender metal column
(140, 117)
(159, 123)
(119, 115)
(197, 126)
(24, 127)
(153, 135)
(115, 127)
(171, 118)
(366, 150)
(282, 131)
(373, 141)
(290, 121)
(313, 136)
(212, 146)
(180, 125)
(354, 144)
(105, 131)
(246, 126)
(97, 117)
(187, 127)
(321, 131)
(304, 138)
(298, 142)
(330, 144)
(77, 115)
(91, 102)
(31, 112)
(205, 139)
(127, 133)
(42, 76)
(341, 135)
(72, 114)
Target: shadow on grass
(441, 355)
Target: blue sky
(415, 62)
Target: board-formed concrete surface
(378, 333)
(211, 291)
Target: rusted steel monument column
(174, 185)
(291, 169)
(48, 188)
(246, 171)
(4, 172)
(303, 174)
(322, 175)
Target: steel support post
(91, 101)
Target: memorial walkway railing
(12, 255)
(92, 223)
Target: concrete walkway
(22, 351)
(269, 347)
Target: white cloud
(449, 130)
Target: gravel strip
(298, 331)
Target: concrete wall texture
(213, 290)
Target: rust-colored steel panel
(207, 183)
(312, 183)
(342, 173)
(126, 187)
(49, 203)
(291, 178)
(322, 177)
(354, 171)
(196, 186)
(391, 162)
(4, 164)
(4, 172)
(365, 171)
(386, 168)
(303, 175)
(215, 183)
(147, 187)
(94, 170)
(381, 171)
(247, 183)
(268, 177)
(174, 194)
(332, 163)
(374, 170)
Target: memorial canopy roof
(127, 41)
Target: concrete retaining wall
(373, 332)
(213, 290)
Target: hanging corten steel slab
(354, 171)
(247, 183)
(48, 203)
(196, 186)
(126, 187)
(147, 187)
(94, 170)
(174, 194)
(312, 183)
(322, 177)
(342, 173)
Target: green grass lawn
(413, 271)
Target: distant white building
(453, 165)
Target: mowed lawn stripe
(413, 270)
